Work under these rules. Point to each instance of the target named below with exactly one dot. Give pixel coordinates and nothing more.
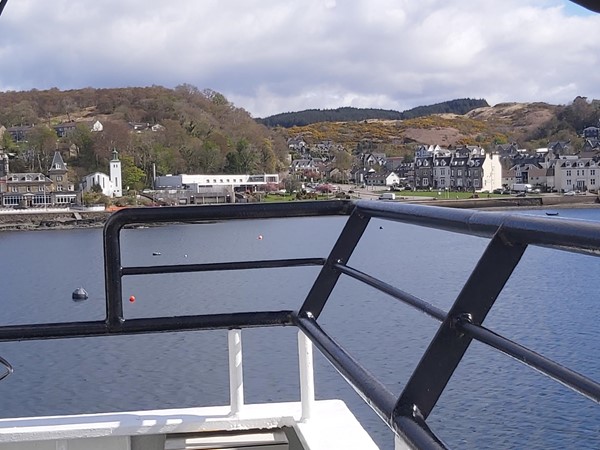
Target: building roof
(28, 177)
(58, 164)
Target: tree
(267, 158)
(133, 176)
(209, 158)
(68, 106)
(114, 135)
(242, 159)
(342, 161)
(84, 141)
(42, 141)
(291, 185)
(24, 113)
(7, 143)
(216, 97)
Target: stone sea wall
(51, 220)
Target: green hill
(348, 114)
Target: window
(592, 172)
(593, 181)
(568, 174)
(28, 188)
(14, 189)
(59, 187)
(568, 182)
(425, 182)
(459, 173)
(41, 189)
(59, 178)
(11, 200)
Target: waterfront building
(35, 189)
(110, 185)
(385, 179)
(62, 189)
(581, 174)
(209, 188)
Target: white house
(97, 126)
(111, 186)
(382, 179)
(577, 174)
(492, 173)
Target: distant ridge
(349, 114)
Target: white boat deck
(331, 426)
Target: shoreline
(69, 220)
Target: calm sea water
(550, 304)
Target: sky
(274, 56)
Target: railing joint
(416, 413)
(457, 322)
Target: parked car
(569, 193)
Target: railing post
(307, 376)
(236, 373)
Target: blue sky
(575, 10)
(271, 56)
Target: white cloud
(271, 56)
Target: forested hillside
(310, 116)
(200, 131)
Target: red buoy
(132, 299)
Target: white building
(492, 173)
(197, 182)
(577, 174)
(382, 179)
(115, 175)
(111, 186)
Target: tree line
(348, 114)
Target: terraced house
(468, 168)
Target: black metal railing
(407, 414)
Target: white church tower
(115, 175)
